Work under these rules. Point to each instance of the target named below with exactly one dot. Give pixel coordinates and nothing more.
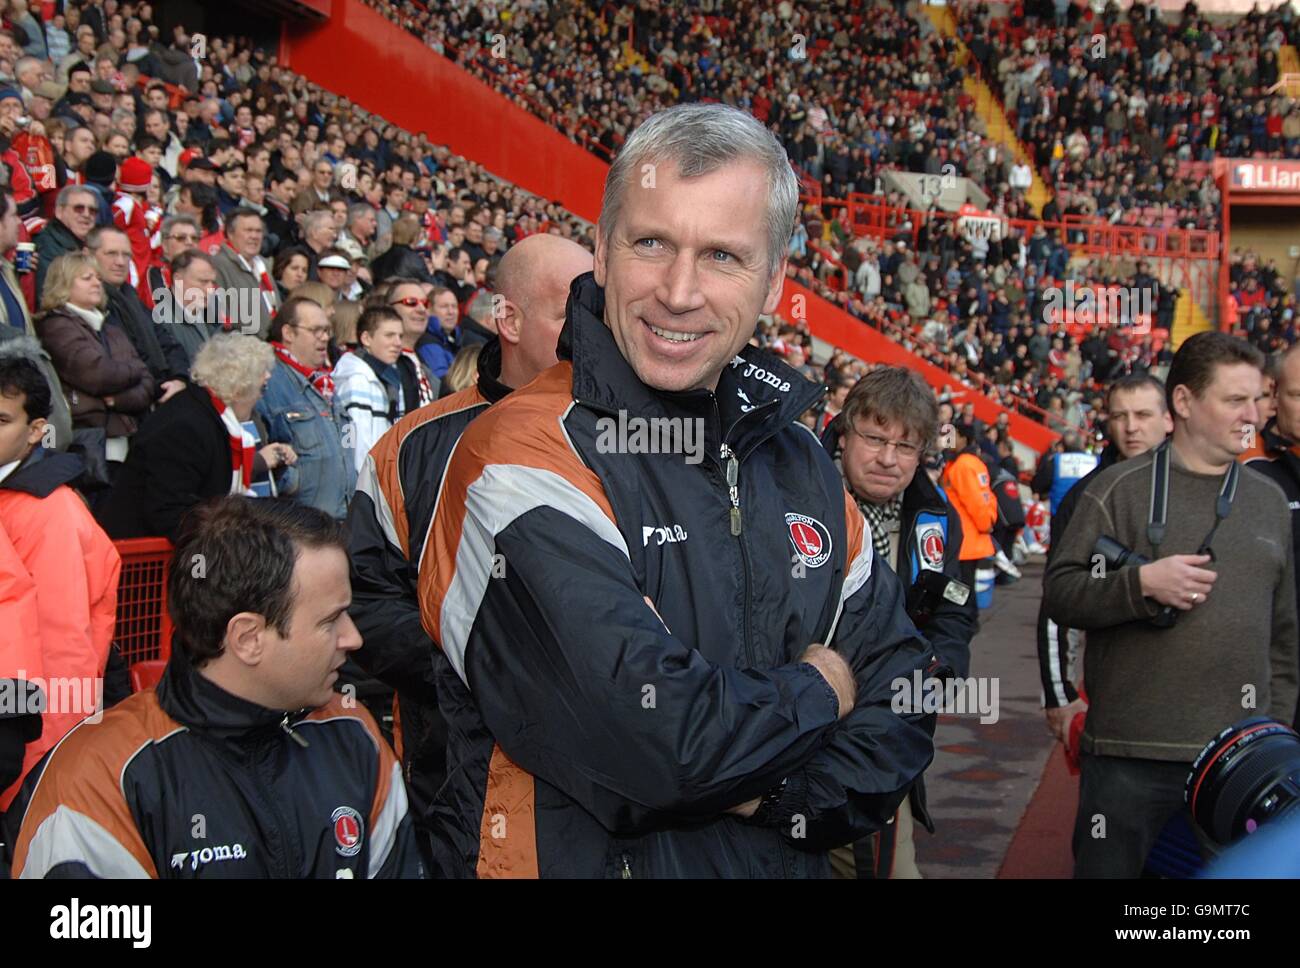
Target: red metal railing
(144, 628)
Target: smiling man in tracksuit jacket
(243, 762)
(625, 633)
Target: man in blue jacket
(665, 644)
(298, 408)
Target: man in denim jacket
(298, 408)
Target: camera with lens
(1117, 556)
(1245, 777)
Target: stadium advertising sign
(1265, 176)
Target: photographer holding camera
(1179, 565)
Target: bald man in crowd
(397, 493)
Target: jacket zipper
(300, 740)
(627, 868)
(731, 466)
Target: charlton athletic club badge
(811, 540)
(929, 539)
(347, 831)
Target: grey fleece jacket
(1163, 693)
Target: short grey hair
(233, 365)
(69, 192)
(701, 138)
(356, 210)
(314, 218)
(480, 307)
(171, 221)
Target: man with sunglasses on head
(888, 423)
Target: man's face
(157, 99)
(79, 82)
(300, 669)
(246, 235)
(877, 471)
(1288, 398)
(113, 258)
(322, 175)
(339, 210)
(322, 234)
(685, 273)
(79, 214)
(1217, 422)
(201, 175)
(179, 238)
(80, 145)
(232, 181)
(385, 341)
(284, 191)
(447, 310)
(336, 279)
(474, 233)
(462, 265)
(18, 435)
(410, 303)
(308, 339)
(196, 283)
(364, 226)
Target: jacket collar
(1272, 440)
(384, 372)
(489, 371)
(202, 706)
(42, 471)
(757, 393)
(922, 495)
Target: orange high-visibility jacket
(966, 482)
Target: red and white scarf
(258, 271)
(426, 390)
(241, 447)
(320, 379)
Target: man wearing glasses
(299, 409)
(419, 384)
(179, 233)
(74, 216)
(319, 193)
(888, 422)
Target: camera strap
(1158, 514)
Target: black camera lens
(1245, 777)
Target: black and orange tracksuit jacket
(619, 631)
(189, 781)
(388, 520)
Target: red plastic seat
(146, 674)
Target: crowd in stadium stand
(285, 190)
(1126, 111)
(880, 89)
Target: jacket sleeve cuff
(780, 810)
(1143, 607)
(829, 691)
